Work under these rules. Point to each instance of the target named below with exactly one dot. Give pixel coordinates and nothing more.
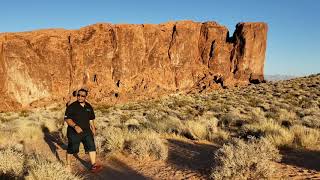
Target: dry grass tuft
(271, 130)
(196, 129)
(203, 127)
(167, 125)
(47, 170)
(11, 162)
(147, 144)
(305, 137)
(111, 139)
(220, 136)
(240, 160)
(311, 121)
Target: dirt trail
(300, 164)
(186, 160)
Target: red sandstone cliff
(125, 62)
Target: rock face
(119, 63)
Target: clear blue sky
(294, 25)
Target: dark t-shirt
(80, 115)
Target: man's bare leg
(92, 156)
(68, 162)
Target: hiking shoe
(95, 168)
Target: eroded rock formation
(118, 63)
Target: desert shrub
(103, 108)
(40, 168)
(306, 137)
(241, 160)
(24, 113)
(284, 114)
(311, 121)
(112, 139)
(254, 102)
(147, 144)
(180, 101)
(311, 112)
(196, 129)
(306, 102)
(220, 136)
(167, 125)
(19, 133)
(132, 122)
(11, 162)
(99, 141)
(2, 119)
(274, 132)
(51, 124)
(28, 130)
(257, 114)
(201, 128)
(228, 119)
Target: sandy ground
(187, 160)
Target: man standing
(81, 128)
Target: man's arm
(92, 127)
(71, 123)
(92, 116)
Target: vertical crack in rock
(114, 40)
(2, 67)
(175, 77)
(2, 56)
(238, 51)
(234, 52)
(115, 63)
(211, 53)
(229, 39)
(146, 54)
(118, 83)
(95, 79)
(71, 64)
(86, 65)
(173, 38)
(203, 37)
(88, 36)
(172, 41)
(233, 59)
(207, 44)
(242, 44)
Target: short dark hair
(74, 93)
(83, 90)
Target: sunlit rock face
(124, 62)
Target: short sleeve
(69, 114)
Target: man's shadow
(54, 141)
(85, 163)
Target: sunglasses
(81, 95)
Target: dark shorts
(74, 141)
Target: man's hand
(78, 129)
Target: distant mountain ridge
(279, 77)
